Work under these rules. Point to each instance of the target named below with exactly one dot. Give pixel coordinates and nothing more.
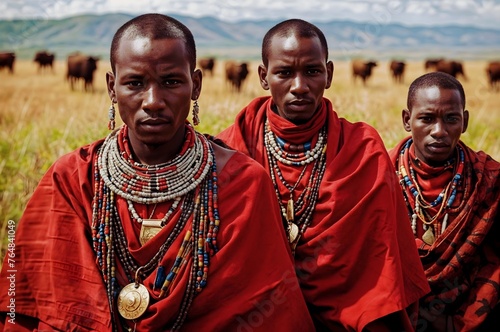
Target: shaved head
(300, 28)
(438, 79)
(154, 26)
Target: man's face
(153, 85)
(297, 76)
(436, 121)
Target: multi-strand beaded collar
(188, 180)
(419, 208)
(297, 214)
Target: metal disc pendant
(133, 301)
(149, 229)
(428, 236)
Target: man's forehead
(302, 46)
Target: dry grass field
(41, 118)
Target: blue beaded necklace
(436, 224)
(111, 247)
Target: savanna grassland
(42, 119)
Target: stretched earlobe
(111, 115)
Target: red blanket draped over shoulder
(251, 284)
(356, 262)
(463, 265)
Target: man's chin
(298, 118)
(437, 159)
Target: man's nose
(153, 99)
(299, 85)
(439, 129)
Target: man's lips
(155, 121)
(438, 146)
(300, 102)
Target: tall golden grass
(42, 119)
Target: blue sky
(480, 13)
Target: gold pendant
(149, 228)
(133, 301)
(428, 236)
(290, 214)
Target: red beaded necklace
(117, 174)
(297, 214)
(419, 208)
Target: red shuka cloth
(251, 283)
(356, 261)
(463, 265)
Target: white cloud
(414, 12)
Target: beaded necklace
(418, 207)
(115, 173)
(297, 214)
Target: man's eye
(134, 83)
(171, 82)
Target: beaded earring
(196, 111)
(111, 116)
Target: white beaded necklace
(154, 184)
(277, 152)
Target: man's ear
(466, 121)
(405, 116)
(329, 71)
(197, 78)
(263, 77)
(110, 84)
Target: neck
(155, 154)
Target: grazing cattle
(397, 69)
(207, 65)
(236, 73)
(362, 69)
(81, 66)
(493, 72)
(7, 61)
(451, 67)
(44, 60)
(431, 63)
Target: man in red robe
(453, 196)
(339, 198)
(155, 228)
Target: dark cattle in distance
(493, 73)
(236, 73)
(44, 60)
(207, 65)
(454, 68)
(431, 63)
(397, 69)
(362, 69)
(81, 67)
(7, 60)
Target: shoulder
(361, 134)
(483, 163)
(357, 128)
(240, 168)
(81, 157)
(395, 151)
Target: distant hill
(92, 34)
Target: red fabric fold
(58, 282)
(356, 262)
(463, 265)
